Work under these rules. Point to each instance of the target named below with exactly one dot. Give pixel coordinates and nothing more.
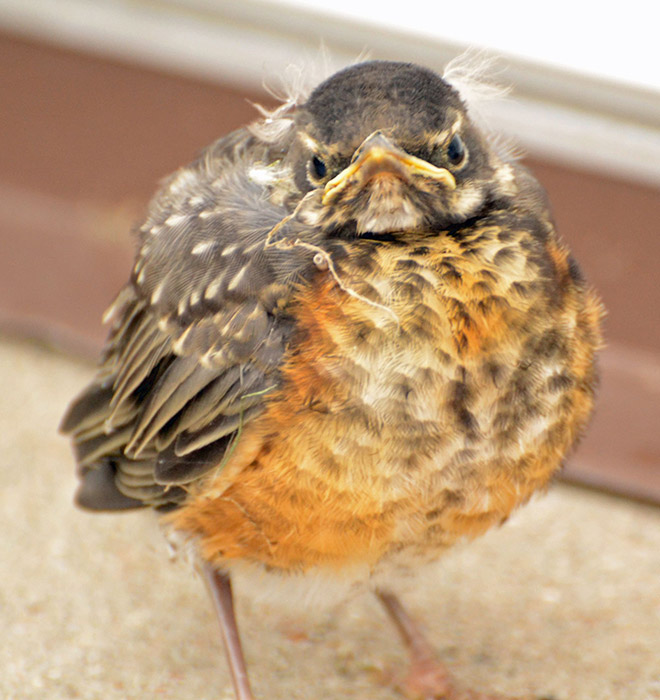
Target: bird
(351, 338)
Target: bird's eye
(456, 150)
(318, 166)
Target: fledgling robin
(351, 337)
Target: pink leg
(427, 678)
(219, 586)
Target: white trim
(575, 119)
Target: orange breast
(421, 407)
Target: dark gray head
(402, 98)
(389, 146)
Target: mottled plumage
(343, 348)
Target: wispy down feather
(290, 88)
(475, 75)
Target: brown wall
(84, 140)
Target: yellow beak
(377, 155)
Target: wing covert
(197, 335)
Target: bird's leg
(427, 678)
(219, 585)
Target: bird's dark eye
(456, 150)
(318, 166)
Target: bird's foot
(428, 679)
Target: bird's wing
(197, 335)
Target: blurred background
(99, 100)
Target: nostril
(375, 139)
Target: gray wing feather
(198, 334)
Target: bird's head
(385, 146)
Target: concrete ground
(562, 602)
